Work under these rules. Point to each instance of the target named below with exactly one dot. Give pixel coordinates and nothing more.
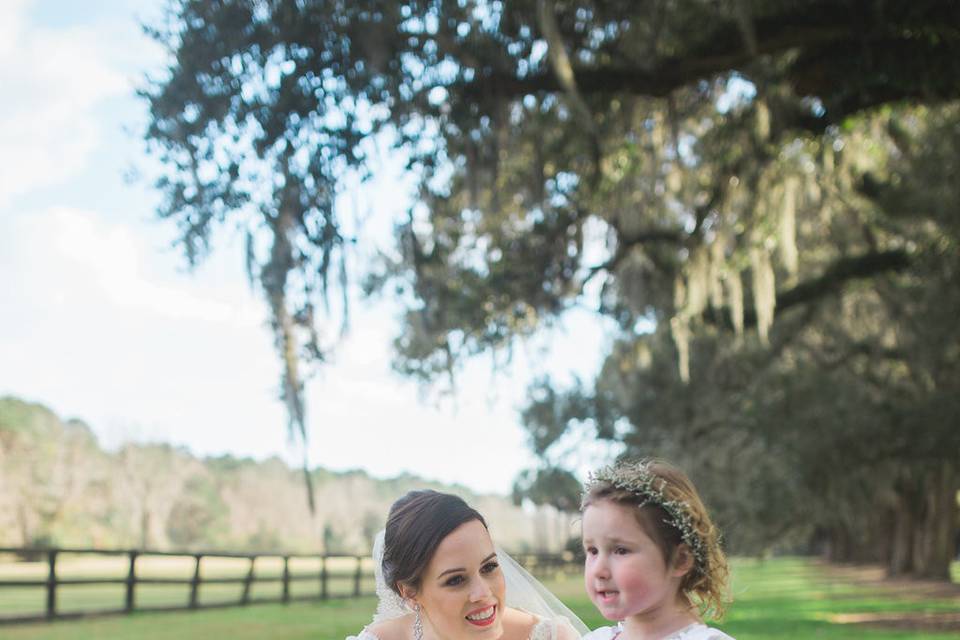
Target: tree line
(59, 487)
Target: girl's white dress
(696, 631)
(545, 629)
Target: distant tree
(49, 473)
(151, 478)
(199, 517)
(331, 541)
(551, 486)
(373, 523)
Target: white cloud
(11, 24)
(52, 79)
(87, 258)
(99, 325)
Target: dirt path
(874, 577)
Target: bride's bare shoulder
(517, 624)
(393, 629)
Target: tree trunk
(23, 521)
(901, 558)
(933, 543)
(873, 539)
(925, 523)
(144, 528)
(840, 549)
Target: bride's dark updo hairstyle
(417, 524)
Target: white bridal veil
(523, 592)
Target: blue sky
(100, 320)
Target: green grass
(299, 621)
(780, 599)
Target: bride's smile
(483, 617)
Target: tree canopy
(758, 193)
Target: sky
(100, 319)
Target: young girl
(653, 557)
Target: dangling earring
(417, 624)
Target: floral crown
(649, 488)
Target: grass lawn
(783, 598)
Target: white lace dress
(695, 631)
(545, 629)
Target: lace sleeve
(544, 630)
(554, 629)
(363, 635)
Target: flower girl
(653, 558)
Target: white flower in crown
(637, 479)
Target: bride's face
(462, 590)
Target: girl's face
(625, 572)
(462, 590)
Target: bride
(439, 577)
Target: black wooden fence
(355, 582)
(328, 582)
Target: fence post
(52, 584)
(245, 599)
(324, 595)
(286, 579)
(195, 582)
(357, 576)
(131, 582)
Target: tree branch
(917, 42)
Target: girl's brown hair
(668, 508)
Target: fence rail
(54, 583)
(355, 571)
